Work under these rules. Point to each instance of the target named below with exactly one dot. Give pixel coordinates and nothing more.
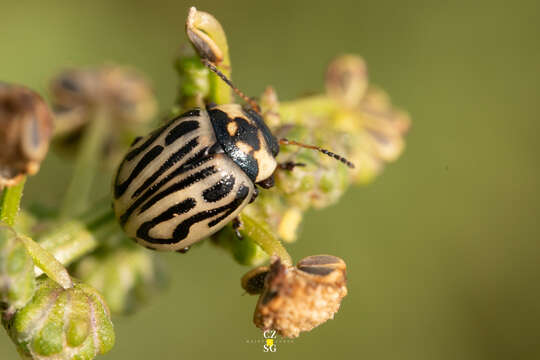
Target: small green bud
(17, 284)
(62, 323)
(127, 276)
(207, 37)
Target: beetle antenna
(284, 141)
(236, 90)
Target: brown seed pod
(123, 91)
(300, 298)
(253, 280)
(25, 129)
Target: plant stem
(10, 202)
(72, 239)
(220, 93)
(78, 192)
(259, 232)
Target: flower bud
(25, 130)
(320, 180)
(270, 107)
(17, 282)
(127, 276)
(346, 79)
(207, 36)
(296, 299)
(62, 323)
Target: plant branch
(10, 202)
(72, 239)
(78, 192)
(260, 233)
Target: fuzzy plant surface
(64, 271)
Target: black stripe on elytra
(220, 189)
(180, 185)
(185, 127)
(157, 133)
(192, 163)
(173, 159)
(191, 113)
(175, 210)
(241, 195)
(182, 229)
(120, 189)
(153, 136)
(246, 132)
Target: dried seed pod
(297, 299)
(253, 280)
(120, 93)
(25, 129)
(122, 90)
(62, 323)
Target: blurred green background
(443, 250)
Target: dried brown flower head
(123, 91)
(25, 129)
(296, 299)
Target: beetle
(186, 180)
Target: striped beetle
(186, 180)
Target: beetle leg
(267, 183)
(183, 251)
(254, 196)
(289, 165)
(236, 225)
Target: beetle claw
(236, 225)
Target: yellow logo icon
(269, 336)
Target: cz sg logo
(269, 343)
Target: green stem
(220, 92)
(78, 193)
(260, 233)
(72, 239)
(10, 202)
